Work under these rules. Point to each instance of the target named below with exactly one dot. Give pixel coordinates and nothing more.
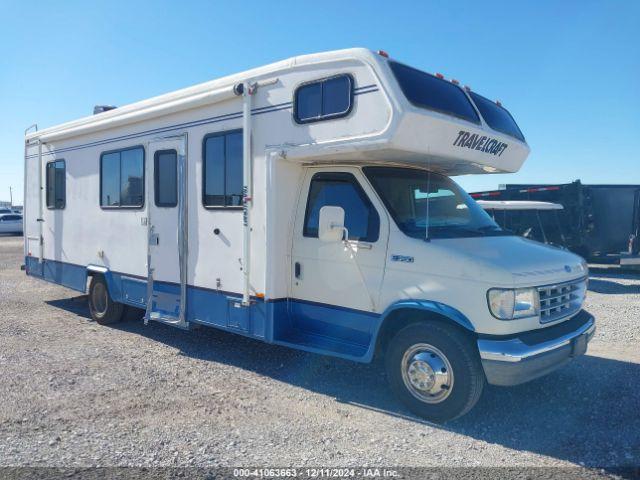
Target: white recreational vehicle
(308, 203)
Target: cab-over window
(323, 99)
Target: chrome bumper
(515, 360)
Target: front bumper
(517, 359)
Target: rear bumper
(517, 359)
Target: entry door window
(56, 194)
(341, 190)
(166, 178)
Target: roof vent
(103, 108)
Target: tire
(102, 307)
(443, 377)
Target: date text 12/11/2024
(315, 473)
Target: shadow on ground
(585, 413)
(611, 287)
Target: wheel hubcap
(427, 373)
(99, 299)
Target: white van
(308, 203)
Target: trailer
(538, 221)
(308, 204)
(599, 222)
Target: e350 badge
(402, 258)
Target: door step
(164, 307)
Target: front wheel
(435, 370)
(102, 307)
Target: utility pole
(10, 198)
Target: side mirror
(331, 224)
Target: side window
(56, 184)
(341, 190)
(324, 99)
(165, 173)
(222, 170)
(122, 178)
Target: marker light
(467, 88)
(439, 75)
(382, 53)
(455, 82)
(498, 103)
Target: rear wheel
(435, 370)
(102, 307)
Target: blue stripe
(306, 325)
(195, 123)
(272, 106)
(64, 269)
(220, 118)
(61, 273)
(287, 107)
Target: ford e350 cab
(310, 204)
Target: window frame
(64, 205)
(331, 116)
(204, 170)
(333, 175)
(156, 179)
(144, 179)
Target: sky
(568, 71)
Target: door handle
(297, 270)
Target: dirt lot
(74, 393)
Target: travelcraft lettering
(482, 143)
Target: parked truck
(309, 204)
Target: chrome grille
(561, 300)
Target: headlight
(508, 304)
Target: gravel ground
(74, 393)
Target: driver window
(341, 190)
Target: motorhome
(308, 203)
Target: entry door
(335, 286)
(167, 227)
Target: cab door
(335, 286)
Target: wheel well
(400, 318)
(93, 273)
(90, 275)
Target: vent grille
(561, 300)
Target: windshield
(415, 197)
